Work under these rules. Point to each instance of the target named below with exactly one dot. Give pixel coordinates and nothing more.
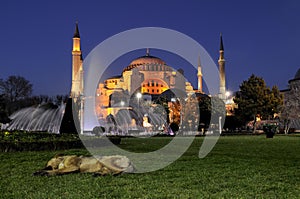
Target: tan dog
(101, 165)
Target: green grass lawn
(238, 167)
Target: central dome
(147, 59)
(146, 62)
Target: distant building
(147, 75)
(291, 101)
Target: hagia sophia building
(148, 75)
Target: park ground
(237, 167)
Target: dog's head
(118, 163)
(54, 162)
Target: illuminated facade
(148, 75)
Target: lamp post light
(81, 98)
(227, 95)
(138, 96)
(228, 103)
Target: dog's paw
(40, 173)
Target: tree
(162, 108)
(190, 113)
(211, 109)
(3, 115)
(15, 88)
(175, 110)
(15, 91)
(70, 119)
(205, 111)
(256, 99)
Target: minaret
(221, 62)
(199, 74)
(77, 70)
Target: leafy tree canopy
(255, 98)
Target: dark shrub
(70, 118)
(98, 130)
(174, 127)
(270, 130)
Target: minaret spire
(221, 62)
(76, 33)
(77, 69)
(199, 74)
(221, 43)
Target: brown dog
(103, 165)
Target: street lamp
(138, 96)
(81, 98)
(227, 94)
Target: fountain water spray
(41, 118)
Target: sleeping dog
(101, 165)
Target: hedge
(28, 141)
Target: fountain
(46, 118)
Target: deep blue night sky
(260, 37)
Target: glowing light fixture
(139, 95)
